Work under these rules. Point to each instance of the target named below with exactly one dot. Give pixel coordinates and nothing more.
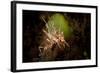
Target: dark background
(32, 26)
